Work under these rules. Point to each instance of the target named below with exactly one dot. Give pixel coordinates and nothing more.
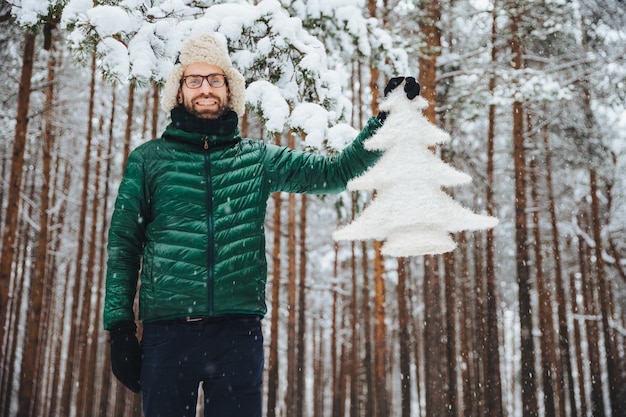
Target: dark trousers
(225, 354)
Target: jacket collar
(206, 133)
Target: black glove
(125, 354)
(411, 88)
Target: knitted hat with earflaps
(205, 48)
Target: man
(189, 219)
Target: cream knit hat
(205, 48)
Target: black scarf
(224, 126)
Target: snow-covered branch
(266, 41)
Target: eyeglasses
(195, 81)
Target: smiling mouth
(206, 102)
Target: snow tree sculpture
(410, 212)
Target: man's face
(206, 102)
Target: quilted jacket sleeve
(304, 172)
(125, 244)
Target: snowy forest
(524, 319)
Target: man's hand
(126, 354)
(411, 88)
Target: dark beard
(223, 107)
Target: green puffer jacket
(190, 215)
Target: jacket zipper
(210, 236)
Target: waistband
(206, 319)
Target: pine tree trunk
(53, 305)
(354, 348)
(343, 377)
(273, 362)
(13, 195)
(367, 337)
(616, 390)
(119, 405)
(591, 326)
(605, 301)
(106, 373)
(319, 365)
(4, 166)
(546, 325)
(380, 335)
(380, 329)
(301, 358)
(292, 366)
(129, 123)
(566, 374)
(146, 108)
(469, 323)
(435, 394)
(59, 219)
(528, 372)
(90, 347)
(362, 368)
(77, 319)
(405, 339)
(479, 319)
(450, 332)
(574, 294)
(614, 368)
(491, 357)
(156, 101)
(334, 342)
(24, 274)
(593, 340)
(33, 348)
(416, 321)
